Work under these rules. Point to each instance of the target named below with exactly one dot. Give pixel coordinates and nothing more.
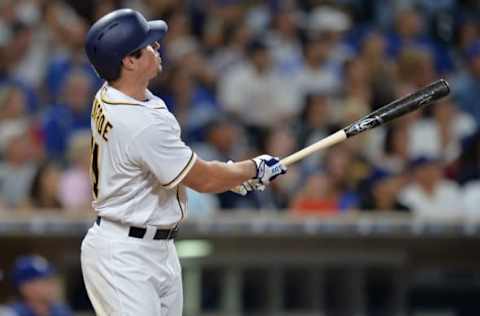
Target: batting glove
(268, 168)
(247, 186)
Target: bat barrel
(397, 108)
(421, 98)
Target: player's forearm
(224, 176)
(216, 177)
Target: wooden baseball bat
(393, 110)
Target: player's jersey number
(94, 167)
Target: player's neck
(133, 88)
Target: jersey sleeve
(161, 150)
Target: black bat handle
(399, 107)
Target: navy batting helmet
(117, 35)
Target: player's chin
(155, 71)
(158, 67)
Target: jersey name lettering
(102, 125)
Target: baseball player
(140, 168)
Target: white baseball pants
(127, 276)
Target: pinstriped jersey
(138, 160)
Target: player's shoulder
(122, 107)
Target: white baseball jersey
(138, 160)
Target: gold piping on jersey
(104, 99)
(107, 101)
(180, 205)
(182, 173)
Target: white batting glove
(240, 190)
(256, 185)
(248, 186)
(268, 168)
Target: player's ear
(128, 62)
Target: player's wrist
(247, 169)
(254, 171)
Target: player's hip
(145, 258)
(108, 236)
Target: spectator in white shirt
(18, 167)
(395, 155)
(444, 131)
(232, 53)
(285, 42)
(255, 93)
(430, 195)
(471, 198)
(320, 74)
(332, 24)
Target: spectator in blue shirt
(70, 115)
(410, 32)
(70, 58)
(60, 69)
(467, 86)
(34, 279)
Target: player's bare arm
(216, 177)
(225, 176)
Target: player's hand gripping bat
(397, 108)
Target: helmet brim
(156, 32)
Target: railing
(269, 264)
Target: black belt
(139, 232)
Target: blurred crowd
(251, 77)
